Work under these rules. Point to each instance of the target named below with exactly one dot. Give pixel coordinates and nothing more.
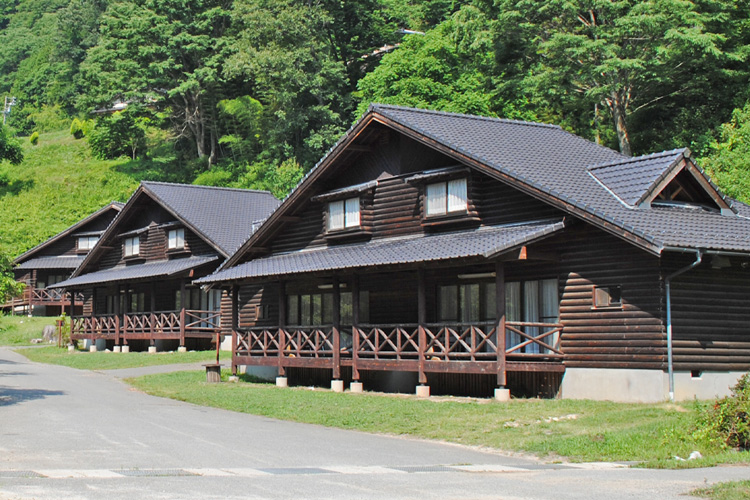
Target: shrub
(76, 128)
(120, 134)
(728, 420)
(34, 138)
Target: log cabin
(462, 254)
(54, 260)
(136, 281)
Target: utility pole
(9, 103)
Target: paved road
(70, 434)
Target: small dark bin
(213, 372)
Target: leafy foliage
(728, 421)
(9, 287)
(10, 147)
(119, 134)
(34, 138)
(728, 161)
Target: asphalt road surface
(70, 434)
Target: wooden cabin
(464, 254)
(136, 281)
(53, 261)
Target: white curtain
(531, 311)
(352, 212)
(336, 215)
(512, 310)
(550, 307)
(436, 202)
(457, 195)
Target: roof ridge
(375, 106)
(201, 186)
(633, 159)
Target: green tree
(10, 147)
(119, 134)
(166, 54)
(9, 287)
(728, 161)
(448, 68)
(615, 56)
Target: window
(444, 198)
(317, 309)
(608, 296)
(176, 239)
(87, 242)
(533, 301)
(343, 214)
(132, 246)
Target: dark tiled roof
(225, 216)
(632, 180)
(483, 242)
(115, 205)
(137, 271)
(556, 162)
(61, 262)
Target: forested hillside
(251, 93)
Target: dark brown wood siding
(631, 336)
(710, 314)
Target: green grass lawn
(85, 360)
(735, 490)
(575, 430)
(19, 330)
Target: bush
(728, 420)
(119, 134)
(76, 129)
(34, 138)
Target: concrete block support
(423, 391)
(117, 348)
(126, 348)
(337, 385)
(92, 348)
(182, 348)
(152, 349)
(356, 387)
(282, 382)
(71, 348)
(502, 394)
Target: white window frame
(131, 246)
(87, 242)
(447, 197)
(343, 214)
(176, 239)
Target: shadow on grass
(11, 396)
(14, 188)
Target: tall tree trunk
(617, 106)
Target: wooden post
(116, 301)
(355, 328)
(72, 305)
(421, 320)
(182, 312)
(282, 327)
(336, 329)
(153, 310)
(500, 330)
(235, 323)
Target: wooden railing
(442, 342)
(44, 295)
(161, 324)
(95, 327)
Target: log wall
(711, 315)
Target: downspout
(668, 282)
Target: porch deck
(442, 348)
(43, 297)
(161, 325)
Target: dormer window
(445, 198)
(176, 239)
(132, 246)
(343, 214)
(87, 242)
